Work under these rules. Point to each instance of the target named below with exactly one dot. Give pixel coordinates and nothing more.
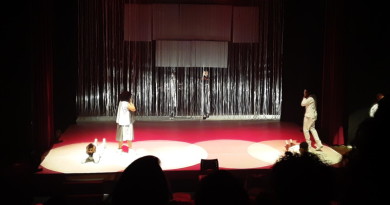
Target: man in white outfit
(374, 107)
(309, 102)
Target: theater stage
(242, 146)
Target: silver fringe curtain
(250, 86)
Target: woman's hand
(131, 107)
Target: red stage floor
(238, 145)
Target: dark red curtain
(42, 76)
(333, 77)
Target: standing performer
(173, 101)
(309, 120)
(374, 107)
(205, 94)
(125, 120)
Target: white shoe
(319, 148)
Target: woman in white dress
(126, 109)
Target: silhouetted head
(221, 187)
(142, 182)
(305, 175)
(303, 147)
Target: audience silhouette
(143, 182)
(365, 165)
(303, 148)
(221, 187)
(302, 179)
(295, 178)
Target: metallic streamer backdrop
(249, 87)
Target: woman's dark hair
(124, 96)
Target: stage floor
(180, 145)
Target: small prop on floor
(95, 151)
